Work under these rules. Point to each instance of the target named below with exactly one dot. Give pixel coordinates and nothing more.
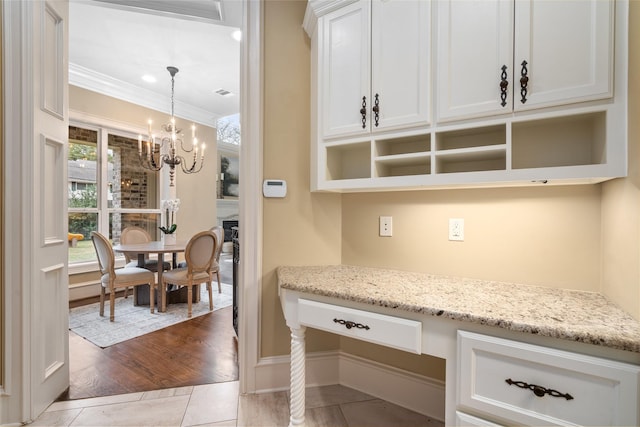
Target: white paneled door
(35, 65)
(49, 279)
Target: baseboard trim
(412, 391)
(273, 373)
(84, 290)
(419, 393)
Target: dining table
(159, 248)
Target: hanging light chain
(154, 160)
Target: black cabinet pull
(376, 110)
(363, 111)
(349, 324)
(524, 80)
(504, 84)
(538, 390)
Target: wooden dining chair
(113, 278)
(200, 256)
(215, 268)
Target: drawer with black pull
(391, 331)
(518, 383)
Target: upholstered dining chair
(113, 278)
(215, 268)
(200, 256)
(132, 235)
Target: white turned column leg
(297, 376)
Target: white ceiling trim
(106, 85)
(212, 11)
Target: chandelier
(157, 151)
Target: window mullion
(103, 181)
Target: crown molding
(106, 85)
(317, 8)
(211, 11)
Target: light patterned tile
(328, 416)
(212, 403)
(94, 401)
(333, 395)
(57, 418)
(167, 392)
(379, 413)
(227, 423)
(264, 410)
(167, 411)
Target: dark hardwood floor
(202, 350)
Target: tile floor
(220, 405)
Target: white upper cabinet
(345, 68)
(400, 53)
(413, 94)
(475, 41)
(374, 67)
(500, 56)
(568, 49)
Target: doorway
(95, 363)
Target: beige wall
(2, 202)
(196, 192)
(537, 235)
(578, 237)
(621, 199)
(302, 228)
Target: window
(228, 137)
(228, 129)
(129, 195)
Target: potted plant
(170, 207)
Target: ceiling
(113, 43)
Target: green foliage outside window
(79, 151)
(83, 223)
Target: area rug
(133, 321)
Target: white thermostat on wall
(274, 188)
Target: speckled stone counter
(558, 313)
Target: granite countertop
(581, 316)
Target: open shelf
(403, 156)
(561, 141)
(404, 165)
(472, 150)
(348, 161)
(568, 148)
(403, 145)
(472, 160)
(471, 138)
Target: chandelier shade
(156, 151)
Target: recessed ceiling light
(224, 92)
(237, 35)
(149, 78)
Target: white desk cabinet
(507, 363)
(373, 66)
(496, 56)
(513, 382)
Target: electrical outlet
(386, 226)
(456, 229)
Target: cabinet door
(568, 49)
(345, 69)
(400, 52)
(475, 40)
